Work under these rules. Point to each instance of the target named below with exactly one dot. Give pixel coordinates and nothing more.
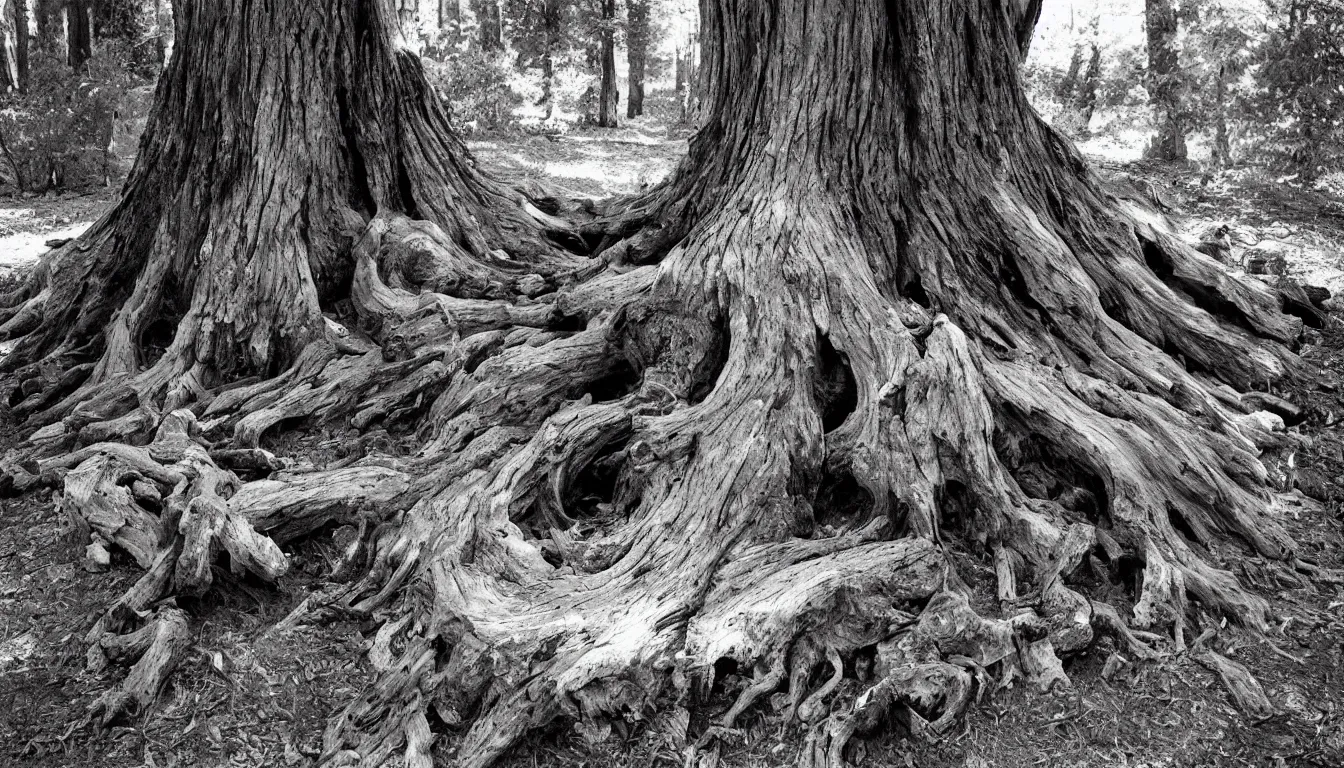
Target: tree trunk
(679, 75)
(1069, 83)
(691, 91)
(9, 64)
(606, 61)
(1222, 142)
(22, 41)
(1079, 93)
(490, 31)
(551, 18)
(1165, 82)
(879, 313)
(79, 31)
(637, 44)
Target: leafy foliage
(57, 134)
(1300, 101)
(476, 84)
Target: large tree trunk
(880, 312)
(637, 47)
(607, 95)
(1165, 81)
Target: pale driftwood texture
(880, 307)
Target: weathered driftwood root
(158, 647)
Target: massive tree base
(746, 417)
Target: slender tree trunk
(679, 75)
(690, 105)
(607, 100)
(1165, 81)
(879, 313)
(22, 41)
(1078, 92)
(162, 20)
(637, 45)
(1085, 102)
(551, 11)
(1222, 143)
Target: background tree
(639, 32)
(9, 44)
(490, 25)
(880, 313)
(1077, 90)
(607, 93)
(1165, 81)
(22, 42)
(541, 38)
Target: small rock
(96, 557)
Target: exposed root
(159, 646)
(1245, 690)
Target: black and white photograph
(672, 383)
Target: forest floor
(250, 695)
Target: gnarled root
(158, 647)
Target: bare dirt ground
(255, 695)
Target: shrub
(477, 87)
(58, 134)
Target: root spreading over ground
(880, 314)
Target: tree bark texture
(1165, 81)
(637, 47)
(879, 312)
